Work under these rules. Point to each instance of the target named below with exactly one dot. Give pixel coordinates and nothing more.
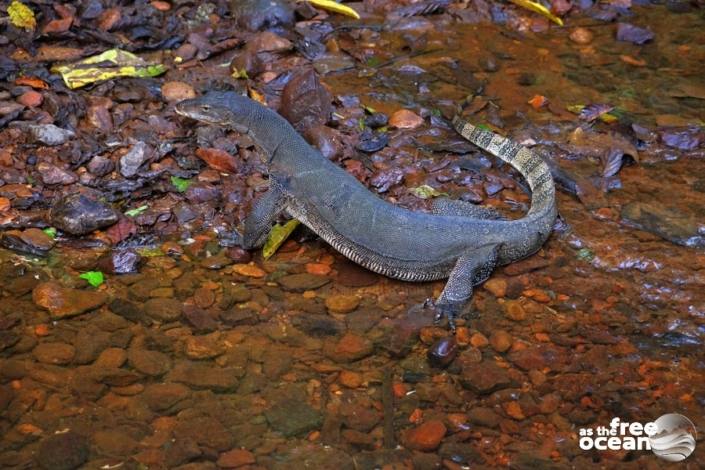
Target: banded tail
(530, 165)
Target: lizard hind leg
(471, 269)
(260, 220)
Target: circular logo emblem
(675, 438)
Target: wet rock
(200, 375)
(111, 358)
(302, 282)
(114, 442)
(376, 120)
(163, 309)
(54, 353)
(484, 377)
(666, 222)
(581, 36)
(442, 352)
(276, 363)
(326, 140)
(318, 325)
(352, 275)
(177, 91)
(350, 379)
(256, 14)
(49, 134)
(206, 431)
(497, 286)
(131, 162)
(79, 215)
(63, 302)
(305, 102)
(371, 141)
(128, 310)
(349, 348)
(204, 347)
(405, 119)
(293, 417)
(249, 270)
(31, 240)
(100, 166)
(64, 451)
(426, 437)
(501, 341)
(342, 303)
(148, 362)
(52, 174)
(120, 262)
(538, 357)
(483, 416)
(514, 310)
(162, 396)
(683, 139)
(236, 458)
(634, 34)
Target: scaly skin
(458, 240)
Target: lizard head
(223, 108)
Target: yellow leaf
(21, 16)
(335, 7)
(277, 236)
(256, 96)
(425, 191)
(538, 8)
(110, 64)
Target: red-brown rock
(426, 437)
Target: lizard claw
(448, 310)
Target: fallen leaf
(33, 82)
(538, 101)
(21, 16)
(110, 64)
(335, 7)
(277, 236)
(425, 192)
(94, 278)
(136, 212)
(538, 8)
(180, 184)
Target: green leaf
(94, 278)
(180, 184)
(137, 211)
(50, 231)
(277, 236)
(585, 254)
(484, 127)
(425, 191)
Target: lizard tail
(532, 167)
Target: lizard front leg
(471, 269)
(264, 213)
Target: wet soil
(193, 353)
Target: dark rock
(52, 174)
(129, 310)
(371, 141)
(634, 34)
(149, 362)
(318, 325)
(78, 215)
(206, 431)
(326, 140)
(163, 309)
(63, 451)
(442, 352)
(305, 102)
(256, 14)
(293, 417)
(120, 262)
(162, 396)
(484, 377)
(376, 120)
(100, 166)
(131, 162)
(49, 134)
(31, 240)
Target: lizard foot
(449, 310)
(230, 238)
